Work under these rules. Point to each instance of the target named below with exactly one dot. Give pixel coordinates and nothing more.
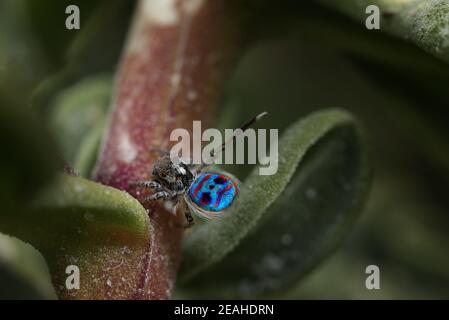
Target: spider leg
(165, 195)
(150, 184)
(189, 218)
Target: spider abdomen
(212, 192)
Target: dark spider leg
(150, 184)
(189, 218)
(165, 195)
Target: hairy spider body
(206, 194)
(172, 177)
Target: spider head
(167, 171)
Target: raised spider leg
(215, 152)
(165, 195)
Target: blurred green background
(55, 86)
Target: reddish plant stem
(172, 72)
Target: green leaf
(28, 159)
(88, 151)
(408, 227)
(28, 163)
(23, 272)
(424, 22)
(96, 48)
(47, 18)
(282, 225)
(100, 229)
(77, 118)
(22, 60)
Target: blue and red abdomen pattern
(212, 191)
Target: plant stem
(172, 72)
